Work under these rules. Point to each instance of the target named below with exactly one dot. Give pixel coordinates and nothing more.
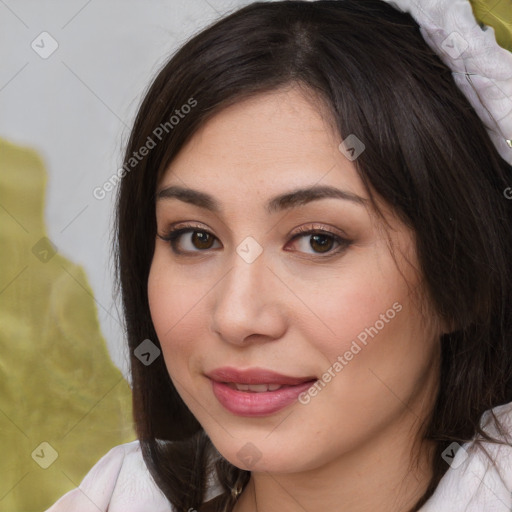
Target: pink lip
(247, 403)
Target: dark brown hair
(427, 155)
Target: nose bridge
(246, 303)
(244, 284)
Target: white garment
(120, 481)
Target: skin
(294, 310)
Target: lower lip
(245, 403)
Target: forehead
(265, 144)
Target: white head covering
(481, 67)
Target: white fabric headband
(481, 68)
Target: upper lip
(254, 376)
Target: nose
(249, 303)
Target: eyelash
(173, 235)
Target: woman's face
(277, 273)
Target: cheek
(373, 336)
(366, 298)
(383, 357)
(176, 312)
(365, 384)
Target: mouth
(255, 391)
(255, 377)
(254, 388)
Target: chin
(255, 453)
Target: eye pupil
(202, 240)
(324, 243)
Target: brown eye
(202, 239)
(190, 240)
(321, 243)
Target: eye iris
(202, 240)
(323, 242)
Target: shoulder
(118, 482)
(478, 479)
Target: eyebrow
(292, 199)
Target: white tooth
(255, 388)
(258, 388)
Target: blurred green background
(497, 14)
(58, 385)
